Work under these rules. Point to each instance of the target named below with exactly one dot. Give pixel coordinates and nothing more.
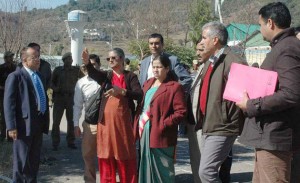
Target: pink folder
(257, 82)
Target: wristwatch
(123, 92)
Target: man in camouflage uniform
(63, 82)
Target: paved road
(67, 165)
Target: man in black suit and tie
(27, 116)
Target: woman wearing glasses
(156, 124)
(115, 141)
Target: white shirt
(150, 71)
(84, 89)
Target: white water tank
(77, 19)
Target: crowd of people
(138, 113)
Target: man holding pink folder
(272, 126)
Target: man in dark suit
(156, 45)
(27, 116)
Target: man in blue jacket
(156, 45)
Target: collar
(214, 58)
(283, 34)
(152, 56)
(30, 72)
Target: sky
(46, 4)
(13, 5)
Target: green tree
(72, 2)
(185, 54)
(140, 48)
(199, 14)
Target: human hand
(77, 131)
(85, 56)
(243, 103)
(13, 134)
(113, 92)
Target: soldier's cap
(8, 54)
(66, 55)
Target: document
(256, 82)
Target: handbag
(93, 106)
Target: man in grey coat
(193, 112)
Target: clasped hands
(113, 92)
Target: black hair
(127, 61)
(278, 12)
(156, 35)
(95, 57)
(119, 52)
(297, 30)
(165, 61)
(31, 45)
(255, 64)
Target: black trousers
(26, 157)
(224, 172)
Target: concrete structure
(77, 19)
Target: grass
(6, 159)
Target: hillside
(125, 20)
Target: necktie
(40, 92)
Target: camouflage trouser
(61, 103)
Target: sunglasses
(108, 58)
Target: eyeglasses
(34, 58)
(108, 58)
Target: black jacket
(273, 121)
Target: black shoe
(55, 148)
(72, 146)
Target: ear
(215, 40)
(270, 24)
(168, 68)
